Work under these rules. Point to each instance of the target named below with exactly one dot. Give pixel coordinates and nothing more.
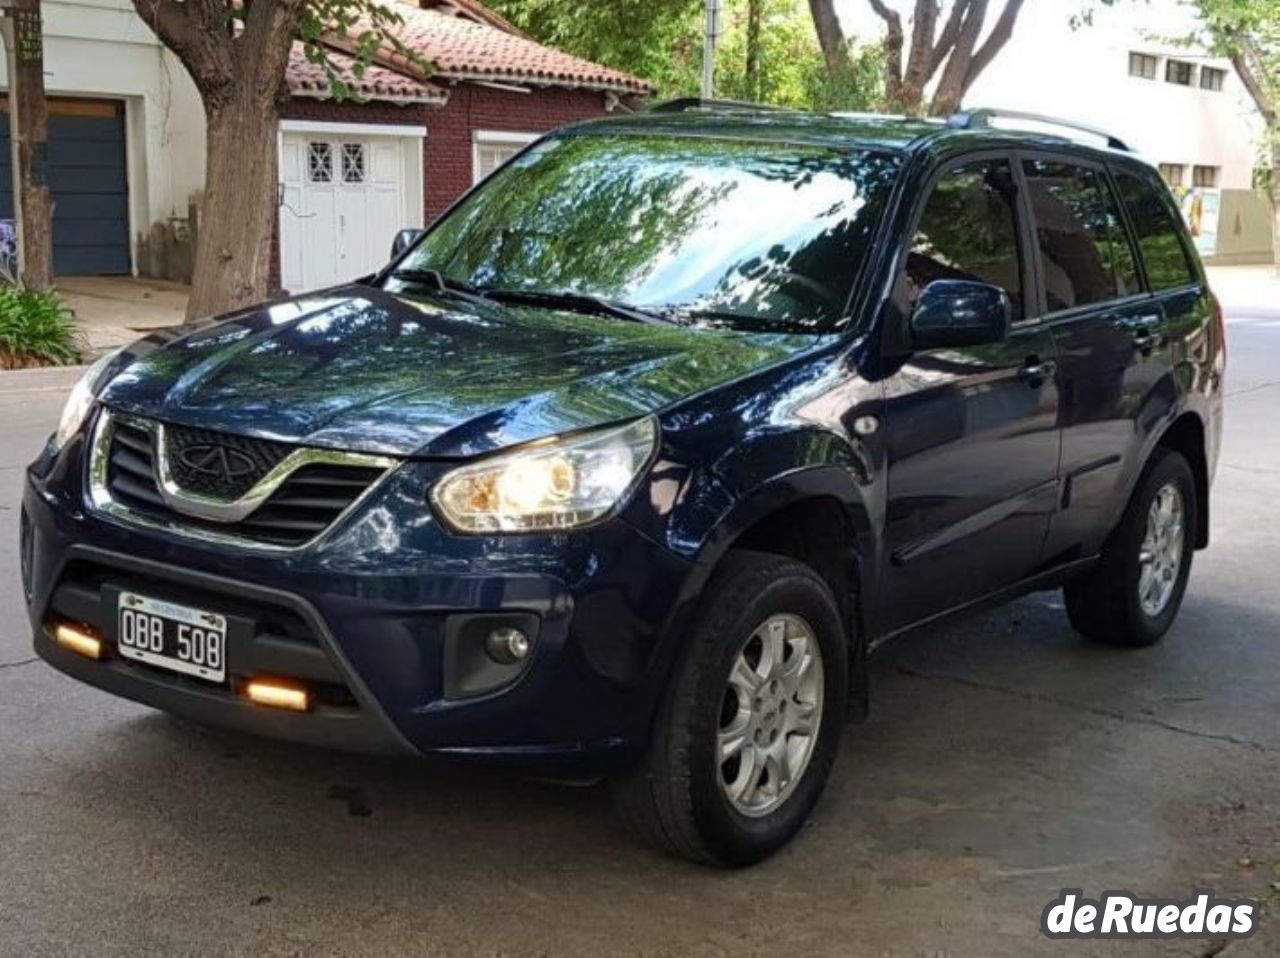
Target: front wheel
(1134, 594)
(747, 732)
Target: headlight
(80, 402)
(554, 485)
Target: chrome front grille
(277, 495)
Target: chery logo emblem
(217, 462)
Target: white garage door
(345, 193)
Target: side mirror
(959, 312)
(404, 239)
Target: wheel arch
(1186, 436)
(818, 516)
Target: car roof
(838, 130)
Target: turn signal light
(277, 696)
(79, 641)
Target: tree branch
(951, 85)
(947, 39)
(920, 56)
(892, 48)
(1000, 35)
(835, 51)
(1245, 58)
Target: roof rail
(980, 119)
(684, 104)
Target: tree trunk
(28, 109)
(835, 51)
(755, 13)
(968, 60)
(239, 209)
(951, 85)
(1275, 197)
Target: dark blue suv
(624, 466)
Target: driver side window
(968, 230)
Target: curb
(41, 379)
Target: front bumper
(365, 618)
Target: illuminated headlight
(548, 486)
(80, 402)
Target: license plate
(173, 637)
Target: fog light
(506, 646)
(277, 696)
(78, 641)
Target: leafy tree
(943, 48)
(1248, 33)
(660, 40)
(769, 52)
(236, 52)
(779, 61)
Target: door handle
(1036, 373)
(1144, 333)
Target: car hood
(361, 369)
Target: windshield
(746, 234)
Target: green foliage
(792, 71)
(367, 24)
(661, 40)
(36, 329)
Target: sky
(1041, 19)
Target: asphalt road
(1006, 759)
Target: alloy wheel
(1160, 556)
(770, 715)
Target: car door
(971, 433)
(1112, 347)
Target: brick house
(493, 90)
(127, 137)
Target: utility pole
(710, 39)
(29, 134)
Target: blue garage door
(89, 184)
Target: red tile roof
(475, 10)
(463, 49)
(459, 48)
(378, 83)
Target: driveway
(1006, 759)
(115, 310)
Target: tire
(675, 798)
(1108, 604)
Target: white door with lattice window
(346, 189)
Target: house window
(352, 162)
(1179, 72)
(1206, 176)
(1172, 173)
(319, 162)
(1143, 65)
(493, 148)
(1211, 78)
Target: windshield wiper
(442, 283)
(578, 302)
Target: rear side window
(1158, 234)
(968, 230)
(1084, 251)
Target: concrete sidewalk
(1246, 290)
(115, 310)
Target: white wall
(102, 48)
(1083, 75)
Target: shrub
(36, 329)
